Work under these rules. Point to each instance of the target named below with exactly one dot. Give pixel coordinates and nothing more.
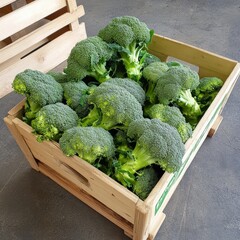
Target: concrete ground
(206, 204)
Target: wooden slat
(44, 59)
(27, 15)
(39, 34)
(142, 221)
(18, 56)
(4, 3)
(72, 6)
(191, 54)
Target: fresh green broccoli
(156, 143)
(150, 58)
(145, 181)
(40, 89)
(52, 120)
(76, 96)
(152, 73)
(89, 143)
(114, 107)
(173, 116)
(130, 37)
(59, 76)
(89, 58)
(175, 87)
(206, 91)
(130, 85)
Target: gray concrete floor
(206, 204)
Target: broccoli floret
(173, 116)
(130, 85)
(114, 107)
(130, 37)
(146, 180)
(59, 76)
(175, 86)
(39, 88)
(156, 143)
(150, 58)
(89, 143)
(206, 91)
(76, 96)
(88, 58)
(152, 73)
(52, 120)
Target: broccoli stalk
(189, 106)
(156, 143)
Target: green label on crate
(178, 173)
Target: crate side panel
(191, 54)
(97, 184)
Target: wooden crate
(47, 46)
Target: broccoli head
(52, 120)
(76, 96)
(152, 73)
(130, 85)
(130, 37)
(145, 181)
(175, 86)
(89, 58)
(156, 143)
(114, 107)
(150, 58)
(60, 77)
(173, 116)
(206, 91)
(89, 143)
(39, 88)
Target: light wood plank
(72, 6)
(142, 221)
(191, 54)
(4, 3)
(27, 15)
(215, 126)
(44, 59)
(39, 34)
(156, 226)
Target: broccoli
(152, 73)
(145, 181)
(156, 143)
(130, 85)
(76, 96)
(150, 58)
(175, 87)
(89, 143)
(206, 91)
(40, 89)
(89, 58)
(130, 37)
(114, 107)
(52, 120)
(60, 77)
(173, 116)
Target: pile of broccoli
(117, 106)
